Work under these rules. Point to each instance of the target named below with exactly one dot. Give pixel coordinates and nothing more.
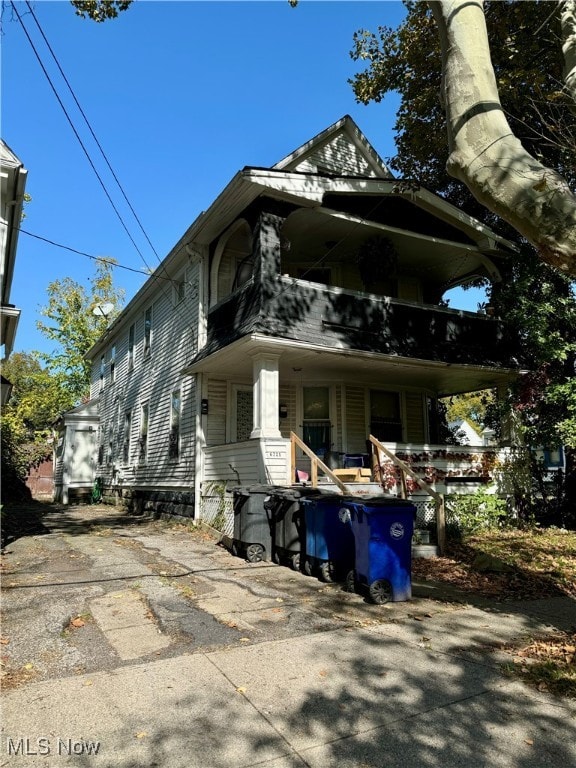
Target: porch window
(385, 418)
(174, 438)
(316, 427)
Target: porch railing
(315, 461)
(439, 500)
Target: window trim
(148, 324)
(131, 346)
(144, 432)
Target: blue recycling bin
(286, 514)
(329, 541)
(382, 529)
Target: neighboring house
(305, 300)
(465, 433)
(13, 182)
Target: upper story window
(113, 364)
(148, 332)
(179, 289)
(131, 336)
(102, 371)
(233, 264)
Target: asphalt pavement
(130, 643)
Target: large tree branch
(568, 25)
(485, 154)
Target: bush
(480, 511)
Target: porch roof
(299, 362)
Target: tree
(535, 298)
(524, 180)
(77, 322)
(37, 399)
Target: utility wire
(115, 177)
(102, 259)
(77, 134)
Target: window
(175, 411)
(144, 418)
(131, 334)
(113, 364)
(147, 331)
(385, 419)
(126, 437)
(102, 372)
(110, 448)
(316, 412)
(179, 289)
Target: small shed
(76, 453)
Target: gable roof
(341, 149)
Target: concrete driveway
(128, 642)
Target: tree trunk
(484, 153)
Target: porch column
(266, 398)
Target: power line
(120, 187)
(102, 259)
(44, 70)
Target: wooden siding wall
(151, 380)
(339, 156)
(356, 419)
(415, 426)
(287, 397)
(217, 393)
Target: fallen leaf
(87, 682)
(29, 665)
(528, 741)
(78, 622)
(241, 690)
(141, 734)
(4, 640)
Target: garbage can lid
(369, 502)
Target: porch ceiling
(304, 363)
(337, 236)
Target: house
(465, 433)
(305, 301)
(13, 183)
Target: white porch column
(266, 398)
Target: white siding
(356, 420)
(338, 156)
(415, 428)
(151, 379)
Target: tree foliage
(100, 10)
(75, 324)
(528, 64)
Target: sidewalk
(254, 664)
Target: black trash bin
(329, 541)
(252, 525)
(286, 514)
(382, 528)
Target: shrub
(480, 511)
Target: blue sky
(181, 95)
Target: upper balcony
(334, 279)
